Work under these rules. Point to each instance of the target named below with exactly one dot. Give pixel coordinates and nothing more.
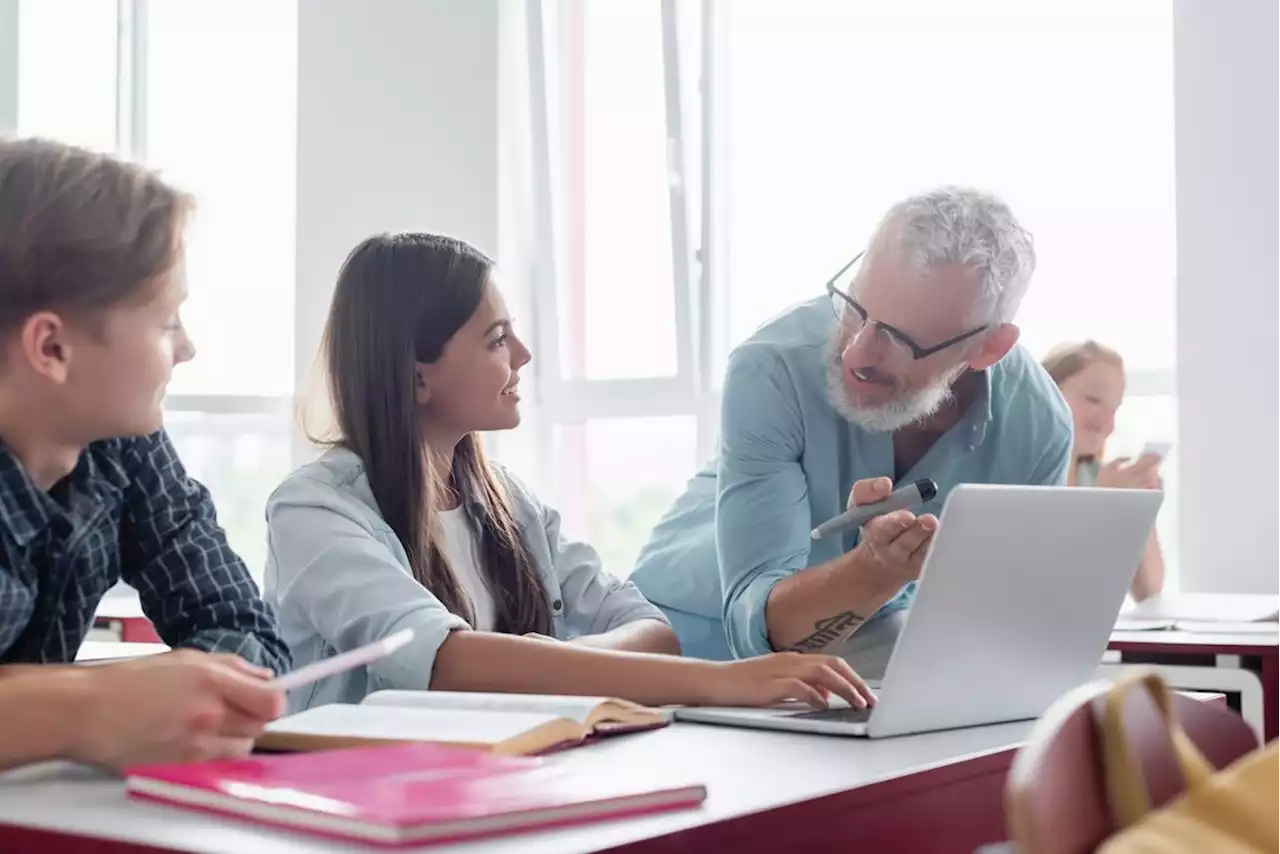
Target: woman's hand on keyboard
(771, 679)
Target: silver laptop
(1014, 608)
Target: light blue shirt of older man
(788, 461)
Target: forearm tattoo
(827, 631)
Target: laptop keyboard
(845, 714)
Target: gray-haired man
(907, 367)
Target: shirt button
(557, 605)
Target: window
(817, 117)
(67, 76)
(991, 94)
(190, 89)
(612, 433)
(226, 131)
(617, 285)
(241, 458)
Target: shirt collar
(979, 415)
(476, 504)
(973, 425)
(25, 509)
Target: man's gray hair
(959, 225)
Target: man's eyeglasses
(854, 317)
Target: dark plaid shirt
(128, 511)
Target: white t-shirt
(462, 552)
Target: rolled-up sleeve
(594, 601)
(336, 574)
(762, 511)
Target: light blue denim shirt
(787, 463)
(338, 578)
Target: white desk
(767, 791)
(104, 651)
(120, 602)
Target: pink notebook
(411, 794)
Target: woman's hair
(398, 301)
(1066, 360)
(80, 231)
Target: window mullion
(710, 305)
(542, 267)
(131, 79)
(677, 187)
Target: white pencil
(345, 661)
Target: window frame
(131, 142)
(700, 319)
(566, 401)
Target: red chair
(1056, 799)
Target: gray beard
(906, 409)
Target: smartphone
(1157, 449)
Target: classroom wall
(1228, 381)
(397, 130)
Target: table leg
(1269, 698)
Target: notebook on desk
(508, 724)
(409, 794)
(1013, 609)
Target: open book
(508, 724)
(1226, 613)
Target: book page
(402, 723)
(574, 708)
(1207, 607)
(1135, 624)
(1211, 628)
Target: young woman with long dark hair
(404, 523)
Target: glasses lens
(894, 348)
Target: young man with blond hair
(91, 489)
